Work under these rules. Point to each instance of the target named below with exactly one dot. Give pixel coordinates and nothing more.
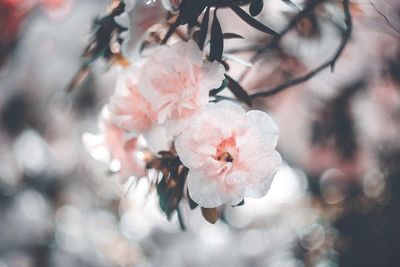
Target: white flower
(230, 154)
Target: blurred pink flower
(114, 146)
(230, 154)
(176, 82)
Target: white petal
(157, 139)
(202, 190)
(269, 129)
(213, 75)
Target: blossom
(176, 82)
(230, 154)
(133, 113)
(128, 107)
(115, 147)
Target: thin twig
(306, 11)
(330, 63)
(274, 43)
(385, 17)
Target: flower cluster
(230, 154)
(214, 150)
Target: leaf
(256, 7)
(213, 92)
(191, 10)
(180, 219)
(217, 40)
(251, 21)
(211, 215)
(238, 91)
(172, 29)
(241, 203)
(171, 187)
(203, 29)
(231, 35)
(192, 204)
(79, 77)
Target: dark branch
(385, 17)
(306, 11)
(330, 63)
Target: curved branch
(330, 63)
(306, 11)
(385, 17)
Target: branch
(330, 63)
(385, 17)
(306, 11)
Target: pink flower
(176, 82)
(133, 113)
(116, 147)
(230, 154)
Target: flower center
(226, 150)
(225, 156)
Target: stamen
(225, 156)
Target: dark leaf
(171, 187)
(256, 7)
(105, 30)
(231, 35)
(394, 68)
(251, 21)
(213, 92)
(196, 36)
(191, 10)
(211, 215)
(226, 3)
(166, 154)
(238, 91)
(217, 41)
(180, 219)
(172, 28)
(192, 204)
(241, 203)
(203, 29)
(79, 77)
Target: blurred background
(335, 202)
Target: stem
(180, 219)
